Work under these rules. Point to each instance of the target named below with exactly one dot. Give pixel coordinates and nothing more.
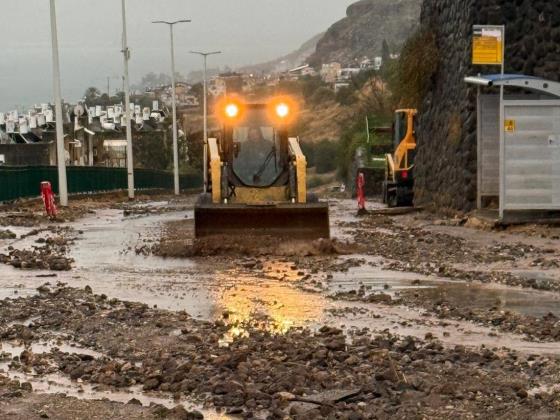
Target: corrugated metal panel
(490, 143)
(532, 156)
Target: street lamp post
(174, 102)
(205, 105)
(129, 159)
(61, 158)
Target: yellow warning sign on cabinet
(488, 45)
(510, 126)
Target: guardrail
(24, 181)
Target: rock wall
(447, 156)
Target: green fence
(24, 181)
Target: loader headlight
(282, 110)
(232, 110)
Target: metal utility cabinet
(519, 160)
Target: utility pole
(174, 102)
(205, 106)
(108, 86)
(129, 159)
(60, 154)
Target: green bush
(325, 156)
(410, 76)
(322, 95)
(308, 150)
(346, 96)
(309, 85)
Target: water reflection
(267, 300)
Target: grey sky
(248, 31)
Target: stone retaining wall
(447, 158)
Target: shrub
(321, 95)
(325, 155)
(410, 76)
(346, 96)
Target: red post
(48, 198)
(361, 183)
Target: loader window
(401, 127)
(257, 160)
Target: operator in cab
(257, 158)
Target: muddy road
(116, 312)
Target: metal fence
(24, 181)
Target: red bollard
(361, 183)
(48, 198)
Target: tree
(385, 51)
(91, 94)
(325, 156)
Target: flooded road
(106, 259)
(363, 294)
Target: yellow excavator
(255, 176)
(398, 186)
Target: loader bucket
(290, 221)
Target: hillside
(286, 62)
(362, 32)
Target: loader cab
(255, 146)
(400, 128)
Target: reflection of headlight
(232, 110)
(282, 110)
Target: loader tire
(205, 198)
(312, 198)
(384, 192)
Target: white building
(329, 72)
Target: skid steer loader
(256, 176)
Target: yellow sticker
(510, 126)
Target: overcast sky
(248, 31)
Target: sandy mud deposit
(319, 374)
(178, 241)
(399, 316)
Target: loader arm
(300, 163)
(407, 144)
(215, 161)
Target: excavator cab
(398, 186)
(256, 176)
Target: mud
(177, 241)
(279, 375)
(48, 252)
(399, 316)
(432, 252)
(31, 213)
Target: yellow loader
(398, 186)
(255, 176)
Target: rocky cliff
(367, 24)
(446, 162)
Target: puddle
(375, 279)
(404, 321)
(59, 384)
(55, 383)
(523, 301)
(15, 348)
